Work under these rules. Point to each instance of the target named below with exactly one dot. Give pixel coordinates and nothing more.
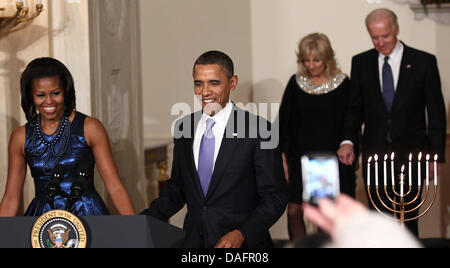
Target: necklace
(51, 147)
(63, 122)
(307, 86)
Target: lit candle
(368, 170)
(402, 181)
(376, 170)
(410, 169)
(435, 170)
(419, 177)
(427, 169)
(392, 169)
(385, 170)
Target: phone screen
(320, 175)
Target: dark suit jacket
(418, 94)
(247, 190)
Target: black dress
(312, 121)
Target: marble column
(116, 88)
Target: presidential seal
(58, 229)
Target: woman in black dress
(311, 120)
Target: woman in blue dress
(61, 146)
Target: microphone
(77, 188)
(53, 188)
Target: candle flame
(403, 168)
(420, 156)
(376, 157)
(410, 157)
(370, 159)
(435, 157)
(392, 156)
(428, 157)
(385, 157)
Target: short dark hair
(46, 67)
(216, 57)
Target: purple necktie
(388, 89)
(206, 156)
(388, 84)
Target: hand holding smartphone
(320, 174)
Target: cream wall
(261, 36)
(64, 31)
(174, 33)
(69, 43)
(16, 50)
(60, 31)
(278, 26)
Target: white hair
(382, 13)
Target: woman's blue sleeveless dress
(67, 147)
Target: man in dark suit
(396, 94)
(234, 189)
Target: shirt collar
(221, 117)
(396, 54)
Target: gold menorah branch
(402, 211)
(7, 24)
(404, 207)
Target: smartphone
(320, 174)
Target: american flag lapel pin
(408, 66)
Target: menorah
(404, 207)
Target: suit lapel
(376, 83)
(404, 76)
(227, 148)
(189, 153)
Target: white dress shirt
(395, 60)
(221, 119)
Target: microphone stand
(76, 190)
(53, 188)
